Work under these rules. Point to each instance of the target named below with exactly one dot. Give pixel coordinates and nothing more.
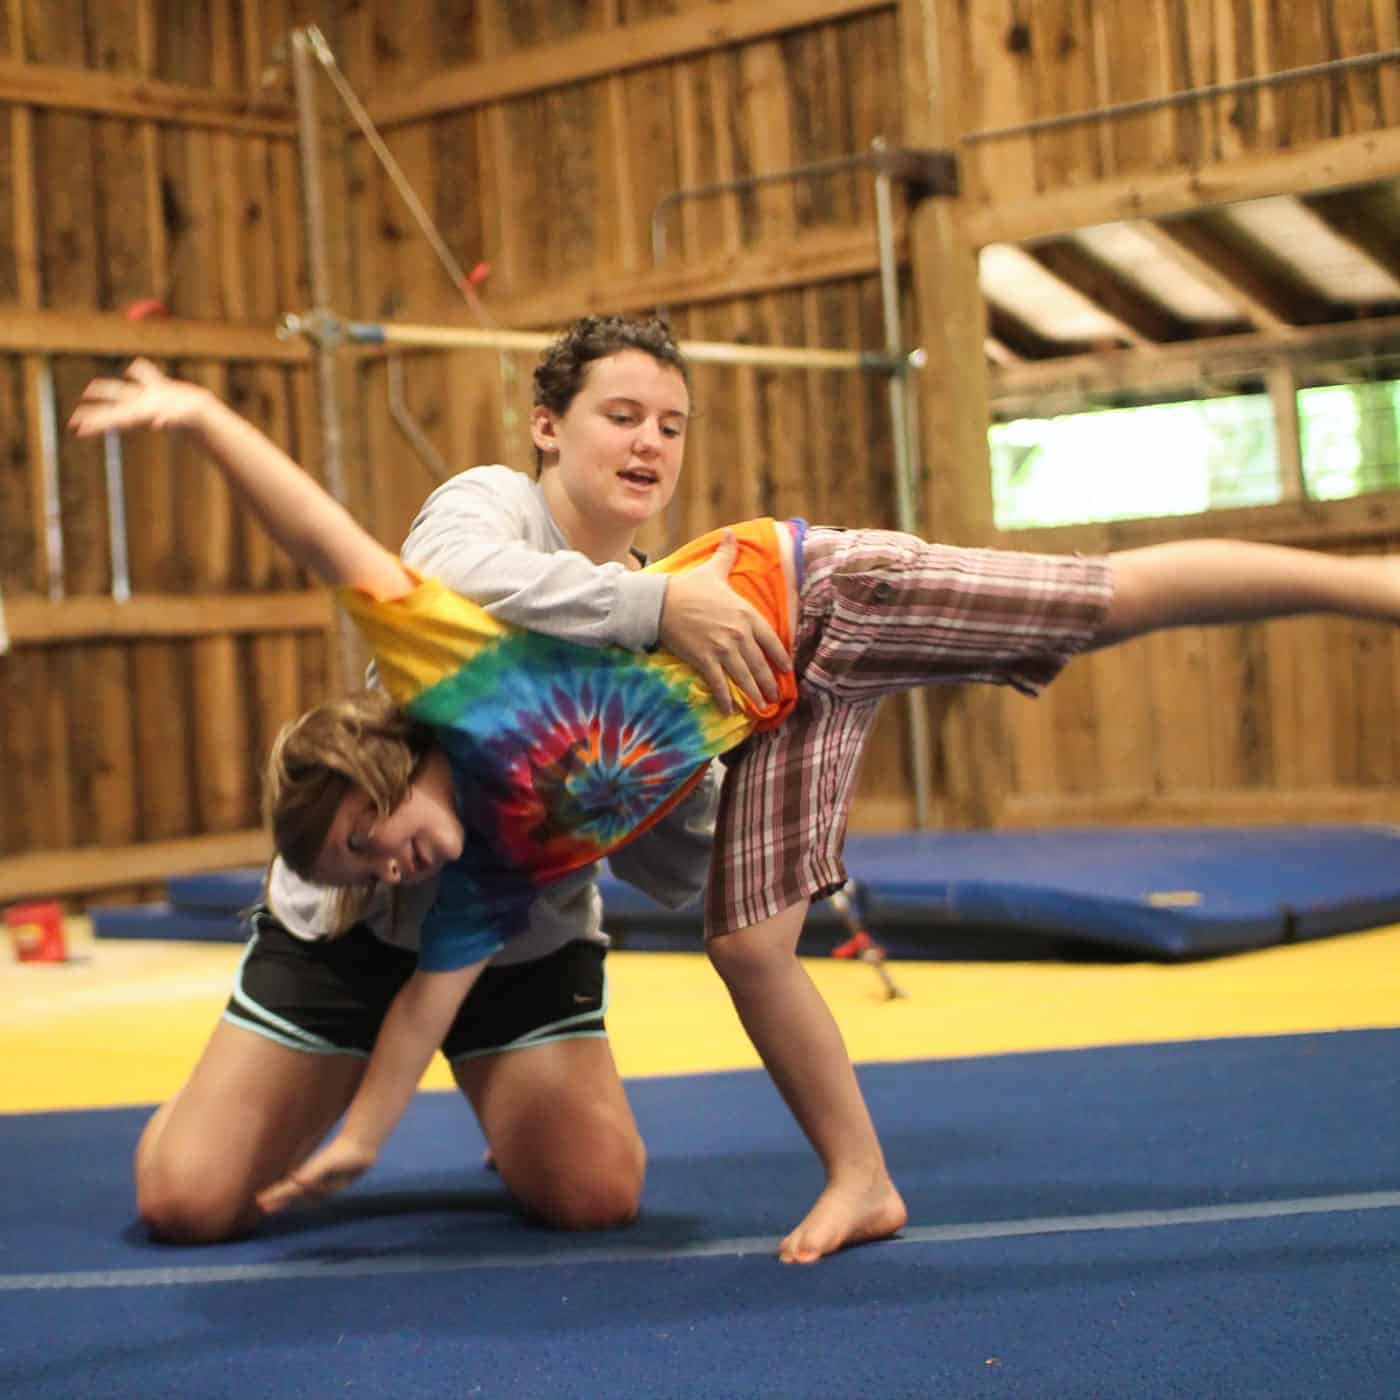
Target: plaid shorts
(880, 612)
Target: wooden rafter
(1022, 343)
(1260, 299)
(1187, 362)
(1339, 163)
(1139, 319)
(1354, 219)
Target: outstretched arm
(416, 1025)
(314, 528)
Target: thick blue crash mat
(1162, 892)
(1166, 893)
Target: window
(1189, 457)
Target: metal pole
(700, 352)
(1186, 95)
(921, 748)
(332, 442)
(409, 426)
(53, 495)
(116, 516)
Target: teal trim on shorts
(276, 1028)
(548, 1034)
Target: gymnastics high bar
(328, 331)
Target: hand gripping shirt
(560, 752)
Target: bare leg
(800, 1044)
(560, 1130)
(250, 1111)
(1193, 582)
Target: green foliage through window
(1186, 458)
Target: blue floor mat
(1166, 893)
(1077, 1273)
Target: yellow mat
(123, 1021)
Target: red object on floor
(36, 930)
(854, 947)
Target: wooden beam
(1323, 165)
(1187, 362)
(606, 53)
(830, 255)
(1239, 277)
(1370, 521)
(1025, 343)
(39, 621)
(1137, 318)
(108, 333)
(112, 94)
(48, 873)
(1282, 380)
(1367, 229)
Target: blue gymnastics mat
(1168, 893)
(1144, 1222)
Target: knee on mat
(190, 1212)
(606, 1196)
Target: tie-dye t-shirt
(560, 752)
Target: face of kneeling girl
(406, 846)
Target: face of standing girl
(614, 455)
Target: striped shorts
(880, 612)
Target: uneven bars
(703, 352)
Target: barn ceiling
(1143, 310)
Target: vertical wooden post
(1283, 395)
(953, 393)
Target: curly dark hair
(560, 373)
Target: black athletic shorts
(330, 997)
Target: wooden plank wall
(144, 155)
(1284, 722)
(132, 729)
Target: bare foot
(845, 1215)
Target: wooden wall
(147, 150)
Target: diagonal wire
(460, 280)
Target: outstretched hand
(143, 397)
(709, 626)
(331, 1169)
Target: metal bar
(393, 169)
(461, 281)
(409, 425)
(933, 171)
(116, 516)
(332, 441)
(887, 166)
(920, 745)
(1185, 96)
(696, 351)
(53, 499)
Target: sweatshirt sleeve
(481, 533)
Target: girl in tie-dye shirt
(559, 753)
